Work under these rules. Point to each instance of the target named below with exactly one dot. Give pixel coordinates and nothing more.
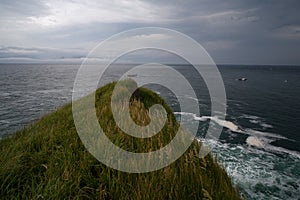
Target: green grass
(47, 160)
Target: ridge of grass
(47, 160)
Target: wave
(254, 141)
(227, 124)
(254, 170)
(257, 120)
(224, 123)
(265, 125)
(195, 99)
(276, 149)
(253, 117)
(194, 116)
(264, 134)
(261, 123)
(4, 121)
(5, 94)
(255, 138)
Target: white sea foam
(264, 143)
(250, 166)
(254, 121)
(265, 125)
(200, 118)
(5, 94)
(256, 138)
(227, 124)
(254, 141)
(4, 121)
(264, 134)
(261, 123)
(184, 113)
(276, 149)
(195, 99)
(250, 116)
(194, 116)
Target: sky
(231, 31)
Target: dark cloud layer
(239, 32)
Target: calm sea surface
(262, 156)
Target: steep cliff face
(47, 160)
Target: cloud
(290, 31)
(220, 45)
(39, 53)
(23, 8)
(64, 13)
(232, 31)
(228, 15)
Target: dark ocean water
(262, 156)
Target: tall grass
(47, 160)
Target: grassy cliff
(47, 160)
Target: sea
(260, 142)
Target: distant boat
(242, 79)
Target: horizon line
(131, 63)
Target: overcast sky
(232, 31)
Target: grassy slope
(48, 161)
